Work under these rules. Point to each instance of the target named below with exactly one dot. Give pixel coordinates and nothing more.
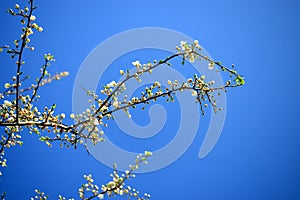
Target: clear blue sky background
(257, 156)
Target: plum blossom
(137, 64)
(211, 65)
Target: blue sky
(257, 155)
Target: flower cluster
(27, 19)
(17, 109)
(203, 90)
(193, 52)
(42, 196)
(117, 185)
(189, 50)
(39, 195)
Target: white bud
(6, 85)
(32, 17)
(62, 115)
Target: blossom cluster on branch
(19, 103)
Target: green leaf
(48, 144)
(21, 143)
(239, 80)
(54, 106)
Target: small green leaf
(239, 80)
(48, 144)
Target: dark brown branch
(148, 99)
(39, 81)
(19, 63)
(130, 77)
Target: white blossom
(40, 29)
(211, 65)
(96, 122)
(194, 93)
(137, 64)
(182, 43)
(115, 104)
(104, 108)
(32, 17)
(113, 84)
(7, 103)
(6, 85)
(148, 153)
